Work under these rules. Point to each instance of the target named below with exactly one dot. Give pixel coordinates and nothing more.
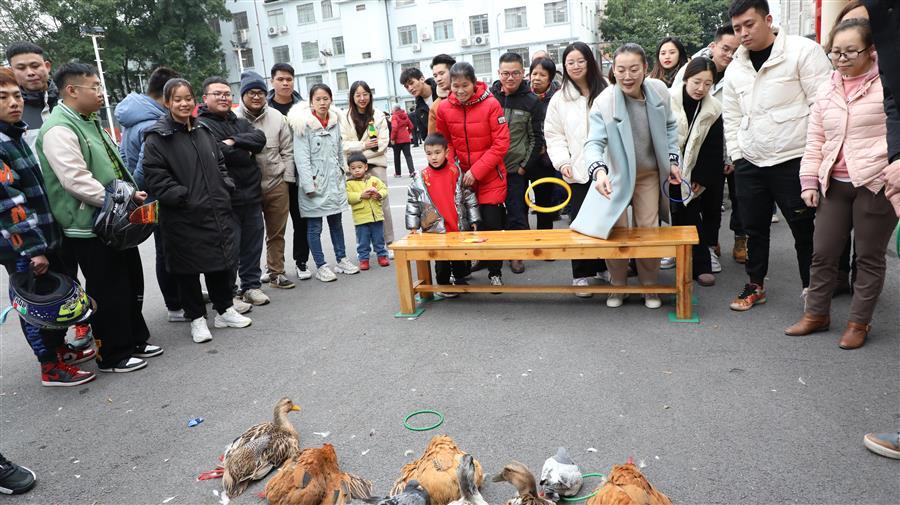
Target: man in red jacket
(473, 123)
(401, 136)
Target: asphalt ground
(726, 411)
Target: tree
(140, 35)
(646, 22)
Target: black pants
(300, 244)
(405, 149)
(583, 268)
(516, 210)
(166, 281)
(443, 269)
(44, 343)
(760, 187)
(735, 223)
(115, 280)
(218, 284)
(704, 212)
(493, 217)
(543, 197)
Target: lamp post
(96, 32)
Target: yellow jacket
(366, 210)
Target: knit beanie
(251, 80)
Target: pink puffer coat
(857, 123)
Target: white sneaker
(652, 301)
(615, 300)
(264, 278)
(255, 296)
(324, 274)
(231, 319)
(714, 261)
(303, 272)
(240, 306)
(345, 266)
(177, 316)
(603, 277)
(775, 218)
(667, 263)
(582, 281)
(200, 330)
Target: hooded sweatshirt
(136, 113)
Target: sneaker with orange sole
(753, 294)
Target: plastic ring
(550, 180)
(427, 428)
(582, 498)
(668, 194)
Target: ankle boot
(809, 323)
(854, 336)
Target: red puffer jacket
(479, 138)
(401, 127)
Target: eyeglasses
(96, 88)
(576, 63)
(848, 55)
(507, 75)
(256, 94)
(220, 94)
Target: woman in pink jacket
(842, 174)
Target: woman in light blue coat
(631, 151)
(320, 176)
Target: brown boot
(809, 323)
(739, 253)
(854, 336)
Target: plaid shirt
(27, 228)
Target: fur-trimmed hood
(300, 117)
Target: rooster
(436, 471)
(626, 485)
(520, 476)
(313, 477)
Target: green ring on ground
(582, 498)
(427, 428)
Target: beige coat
(710, 110)
(276, 161)
(351, 142)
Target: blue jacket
(136, 113)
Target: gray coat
(421, 212)
(319, 161)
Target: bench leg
(404, 284)
(423, 271)
(684, 274)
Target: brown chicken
(521, 477)
(436, 471)
(314, 477)
(626, 485)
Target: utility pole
(240, 57)
(95, 33)
(141, 80)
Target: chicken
(465, 474)
(520, 476)
(314, 477)
(560, 476)
(627, 486)
(413, 494)
(260, 449)
(436, 471)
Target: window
(478, 25)
(516, 18)
(247, 58)
(413, 64)
(556, 51)
(312, 80)
(240, 21)
(337, 46)
(407, 35)
(556, 12)
(366, 55)
(443, 30)
(343, 84)
(305, 14)
(482, 63)
(310, 50)
(360, 7)
(521, 51)
(282, 54)
(327, 9)
(276, 18)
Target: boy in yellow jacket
(365, 192)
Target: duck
(258, 450)
(560, 476)
(521, 477)
(626, 485)
(413, 494)
(314, 477)
(465, 475)
(436, 471)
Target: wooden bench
(623, 243)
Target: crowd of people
(776, 119)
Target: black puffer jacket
(525, 117)
(541, 166)
(422, 108)
(239, 158)
(185, 170)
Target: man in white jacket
(769, 88)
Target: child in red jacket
(473, 123)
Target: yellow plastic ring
(551, 180)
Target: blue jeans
(249, 232)
(370, 235)
(314, 237)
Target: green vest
(101, 157)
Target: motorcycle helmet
(113, 225)
(51, 301)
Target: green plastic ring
(582, 498)
(427, 428)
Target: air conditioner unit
(243, 36)
(480, 40)
(282, 29)
(465, 42)
(417, 48)
(273, 30)
(425, 37)
(322, 62)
